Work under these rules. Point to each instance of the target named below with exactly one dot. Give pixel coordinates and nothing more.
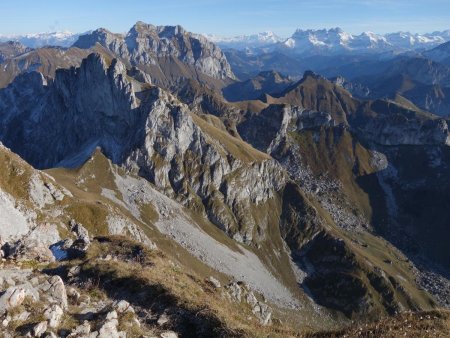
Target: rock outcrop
(164, 52)
(401, 130)
(154, 134)
(267, 129)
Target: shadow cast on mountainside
(404, 229)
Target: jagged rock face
(387, 123)
(113, 42)
(266, 130)
(399, 130)
(77, 108)
(163, 41)
(382, 121)
(156, 49)
(149, 131)
(314, 92)
(96, 105)
(182, 160)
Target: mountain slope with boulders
(130, 176)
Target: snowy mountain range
(310, 41)
(335, 40)
(36, 40)
(258, 40)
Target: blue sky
(226, 17)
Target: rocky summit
(146, 191)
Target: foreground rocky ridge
(88, 294)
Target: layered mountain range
(138, 169)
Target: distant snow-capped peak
(246, 41)
(35, 40)
(334, 40)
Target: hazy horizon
(229, 18)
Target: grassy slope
(157, 281)
(412, 325)
(335, 153)
(237, 148)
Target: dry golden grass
(138, 269)
(15, 175)
(411, 325)
(237, 148)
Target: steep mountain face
(66, 93)
(163, 55)
(327, 163)
(382, 121)
(167, 53)
(121, 212)
(313, 92)
(147, 129)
